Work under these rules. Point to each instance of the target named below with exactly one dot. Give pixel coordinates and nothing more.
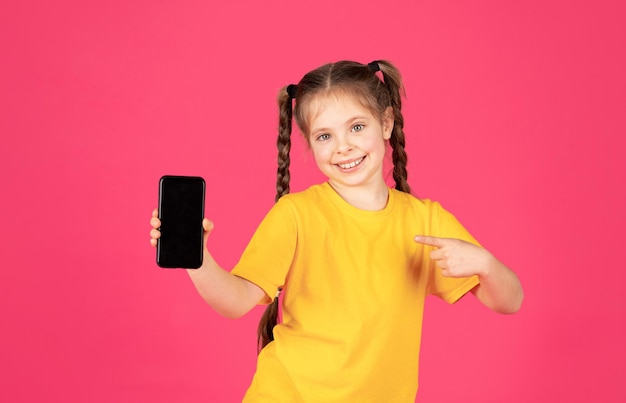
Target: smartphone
(181, 211)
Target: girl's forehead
(337, 102)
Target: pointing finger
(430, 240)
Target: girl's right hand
(156, 234)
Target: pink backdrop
(515, 122)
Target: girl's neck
(372, 198)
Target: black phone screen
(181, 211)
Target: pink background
(515, 122)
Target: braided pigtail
(393, 82)
(284, 142)
(265, 331)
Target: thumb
(208, 228)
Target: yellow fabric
(354, 288)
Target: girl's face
(348, 142)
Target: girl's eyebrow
(358, 117)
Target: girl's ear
(388, 123)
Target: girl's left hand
(457, 258)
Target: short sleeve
(445, 225)
(269, 254)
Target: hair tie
(374, 67)
(292, 89)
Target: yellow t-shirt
(354, 288)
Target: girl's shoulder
(310, 195)
(408, 200)
(302, 202)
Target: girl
(355, 258)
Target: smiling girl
(354, 258)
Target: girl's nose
(343, 145)
(344, 149)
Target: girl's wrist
(489, 266)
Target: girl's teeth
(352, 164)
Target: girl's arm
(499, 288)
(229, 295)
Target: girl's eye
(358, 127)
(323, 137)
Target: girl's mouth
(351, 164)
